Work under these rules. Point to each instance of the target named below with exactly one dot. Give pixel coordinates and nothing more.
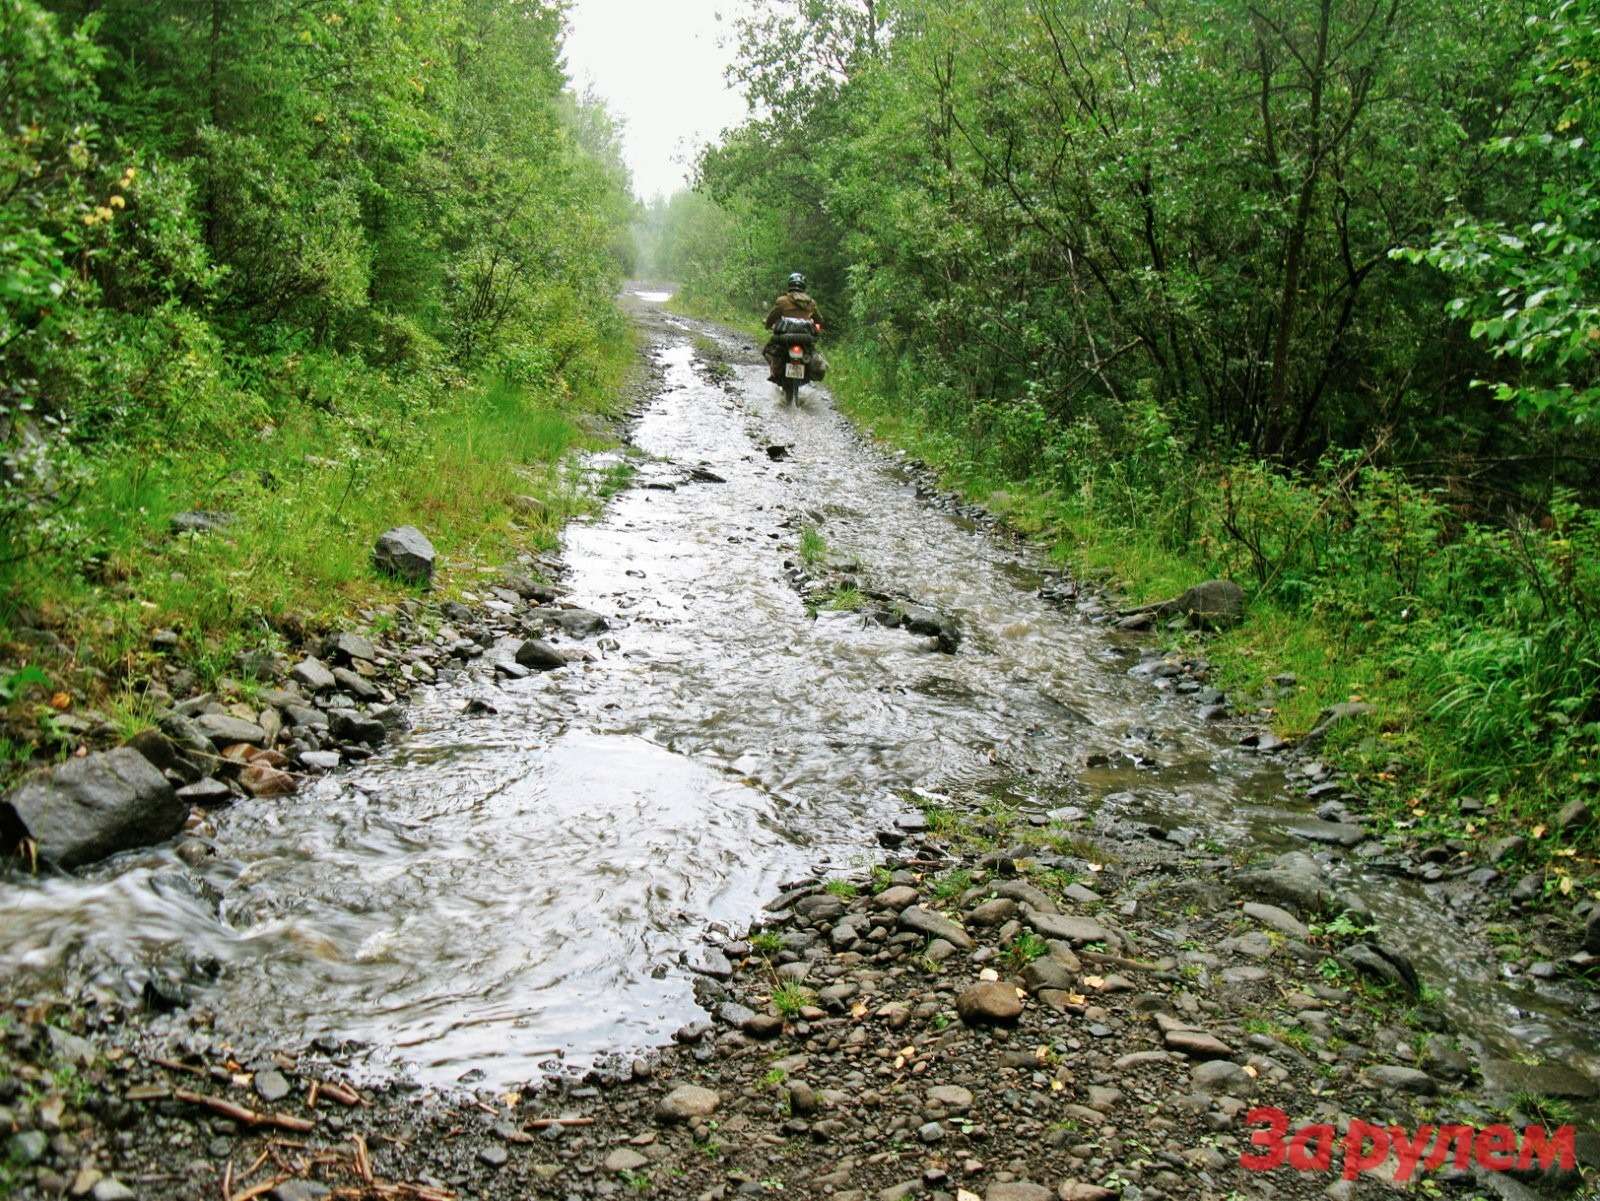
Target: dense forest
(1306, 294)
(289, 271)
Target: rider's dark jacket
(793, 304)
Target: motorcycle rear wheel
(791, 391)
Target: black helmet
(797, 282)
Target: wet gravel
(996, 1002)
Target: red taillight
(796, 352)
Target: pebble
(688, 1101)
(271, 1086)
(989, 1002)
(625, 1159)
(493, 1155)
(1401, 1079)
(1220, 1076)
(952, 1096)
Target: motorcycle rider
(793, 302)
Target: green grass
(767, 942)
(845, 599)
(790, 999)
(1025, 948)
(1549, 1112)
(843, 889)
(813, 547)
(309, 496)
(950, 885)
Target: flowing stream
(495, 891)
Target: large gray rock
(688, 1102)
(1384, 964)
(1507, 1077)
(1294, 879)
(1336, 715)
(199, 521)
(1213, 604)
(314, 674)
(92, 807)
(539, 655)
(935, 925)
(1395, 1078)
(225, 730)
(404, 552)
(577, 623)
(989, 1002)
(1068, 929)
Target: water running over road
(497, 887)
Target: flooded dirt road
(512, 887)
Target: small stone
(952, 1096)
(28, 1147)
(1277, 919)
(493, 1155)
(109, 1188)
(347, 647)
(989, 1002)
(1048, 972)
(1340, 834)
(1220, 1076)
(930, 1132)
(896, 897)
(1018, 1190)
(934, 925)
(356, 685)
(319, 760)
(625, 1159)
(349, 726)
(271, 1086)
(199, 521)
(206, 791)
(1068, 929)
(260, 780)
(995, 912)
(300, 1190)
(312, 673)
(688, 1101)
(1574, 814)
(1401, 1079)
(539, 655)
(1197, 1044)
(405, 553)
(225, 730)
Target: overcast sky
(658, 65)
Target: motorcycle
(799, 360)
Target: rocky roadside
(999, 1011)
(1531, 917)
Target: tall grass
(307, 497)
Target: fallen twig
(543, 1123)
(240, 1113)
(342, 1093)
(262, 1189)
(174, 1066)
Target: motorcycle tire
(791, 391)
